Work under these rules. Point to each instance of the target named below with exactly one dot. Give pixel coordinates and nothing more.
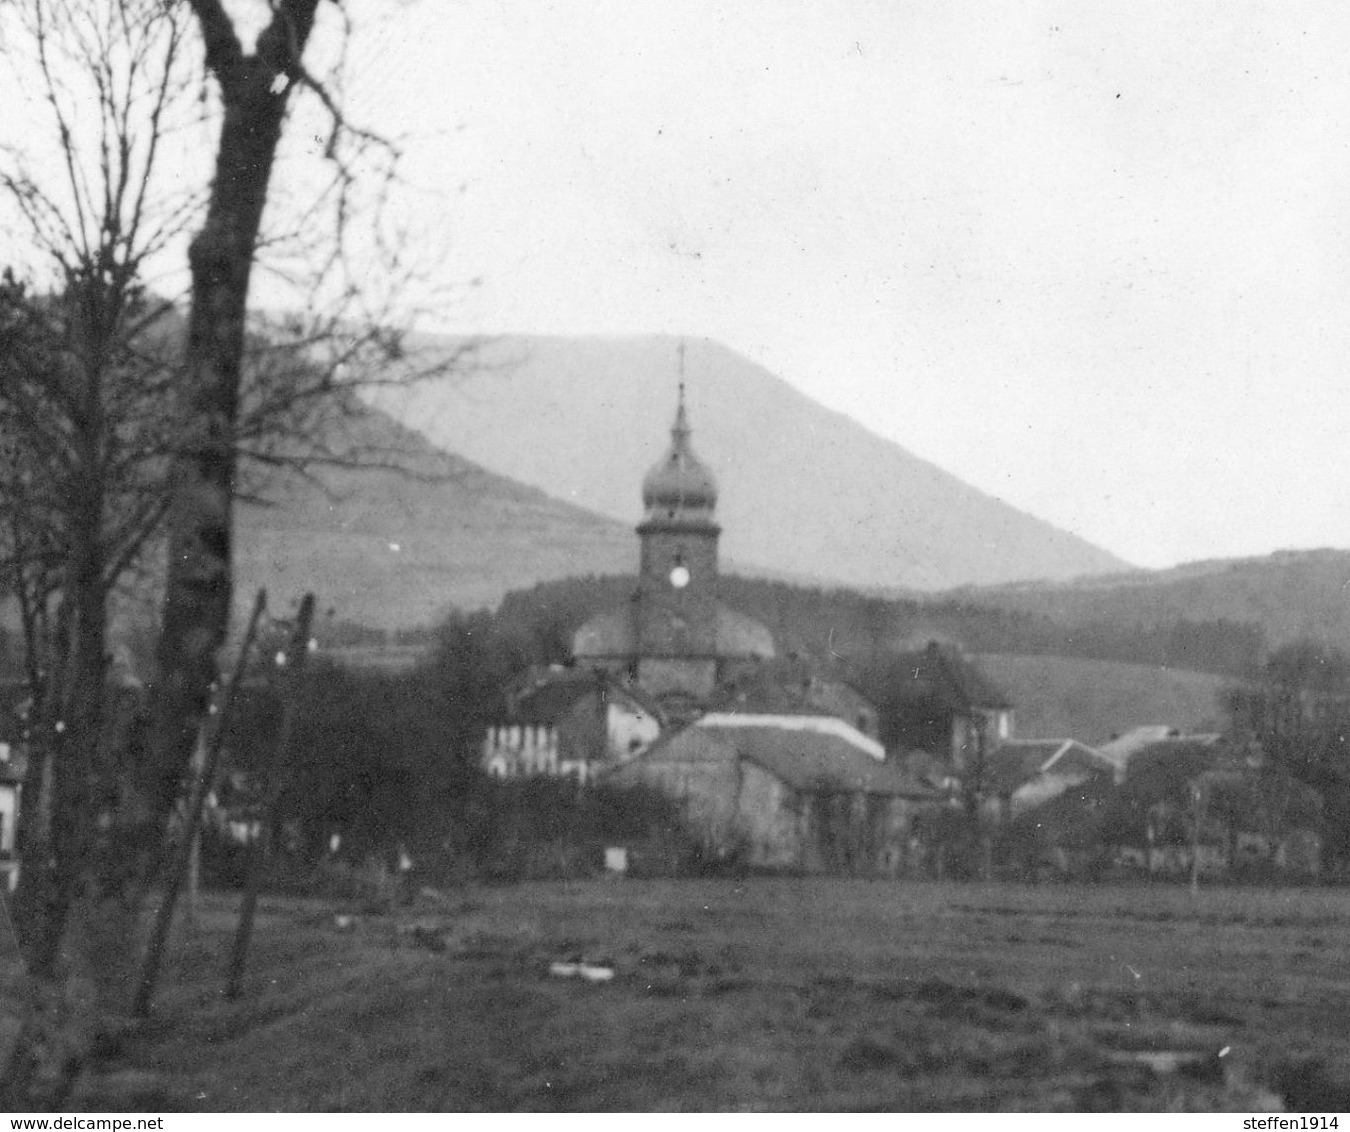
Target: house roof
(544, 696)
(942, 673)
(816, 767)
(1171, 763)
(1075, 758)
(818, 754)
(1124, 748)
(1012, 765)
(1037, 769)
(788, 688)
(796, 722)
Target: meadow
(761, 994)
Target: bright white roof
(821, 724)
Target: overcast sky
(1091, 258)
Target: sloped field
(1093, 700)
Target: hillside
(1288, 595)
(804, 490)
(396, 548)
(1093, 700)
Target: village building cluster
(780, 765)
(775, 762)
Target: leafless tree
(119, 424)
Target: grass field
(764, 994)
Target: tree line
(827, 624)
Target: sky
(1094, 259)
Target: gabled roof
(790, 687)
(940, 672)
(545, 696)
(810, 754)
(1017, 762)
(824, 767)
(795, 722)
(1177, 761)
(1014, 764)
(1124, 748)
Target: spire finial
(681, 429)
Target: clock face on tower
(679, 577)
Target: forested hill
(836, 625)
(1288, 596)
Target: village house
(773, 762)
(1022, 774)
(1179, 804)
(571, 722)
(794, 687)
(791, 792)
(12, 769)
(946, 707)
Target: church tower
(673, 639)
(676, 612)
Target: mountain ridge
(583, 418)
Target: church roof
(679, 481)
(741, 636)
(612, 633)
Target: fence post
(185, 859)
(276, 782)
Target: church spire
(680, 432)
(679, 484)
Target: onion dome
(679, 482)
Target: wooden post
(276, 782)
(192, 826)
(1198, 798)
(185, 861)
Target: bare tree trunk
(198, 586)
(84, 955)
